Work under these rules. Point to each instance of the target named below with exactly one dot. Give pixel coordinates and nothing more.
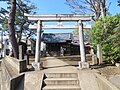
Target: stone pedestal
(83, 65)
(37, 66)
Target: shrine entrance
(40, 18)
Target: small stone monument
(83, 65)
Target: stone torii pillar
(37, 63)
(81, 41)
(83, 63)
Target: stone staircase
(61, 81)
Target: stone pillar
(99, 53)
(5, 47)
(36, 64)
(83, 63)
(26, 57)
(61, 51)
(38, 42)
(81, 41)
(94, 60)
(20, 52)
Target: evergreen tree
(107, 33)
(17, 21)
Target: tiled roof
(57, 37)
(61, 37)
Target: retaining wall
(11, 73)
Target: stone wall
(11, 73)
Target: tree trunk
(11, 24)
(104, 11)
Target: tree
(118, 2)
(75, 32)
(108, 37)
(20, 23)
(11, 23)
(98, 7)
(86, 34)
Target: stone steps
(61, 81)
(59, 87)
(61, 75)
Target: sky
(59, 7)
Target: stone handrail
(19, 65)
(104, 84)
(11, 73)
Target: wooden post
(99, 53)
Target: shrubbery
(107, 33)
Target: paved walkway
(88, 80)
(54, 65)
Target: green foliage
(4, 23)
(86, 34)
(75, 32)
(107, 33)
(21, 22)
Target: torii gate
(58, 17)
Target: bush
(107, 33)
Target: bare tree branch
(85, 6)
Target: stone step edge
(61, 87)
(60, 79)
(61, 75)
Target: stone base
(94, 60)
(37, 66)
(83, 65)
